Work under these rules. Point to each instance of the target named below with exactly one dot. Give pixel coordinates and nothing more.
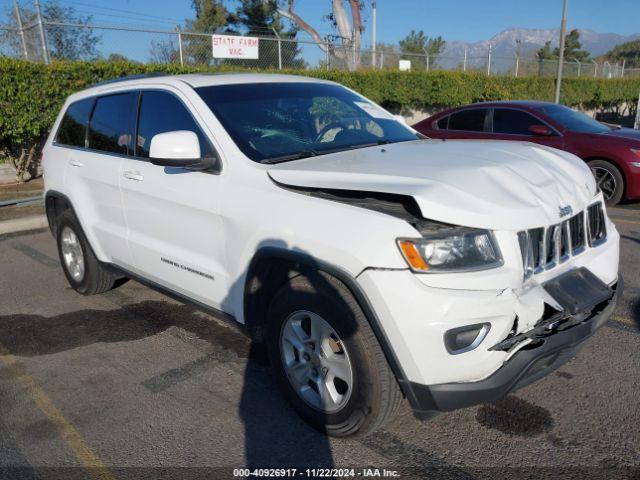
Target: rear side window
(73, 127)
(471, 120)
(113, 123)
(443, 123)
(162, 112)
(514, 122)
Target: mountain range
(504, 44)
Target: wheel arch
(56, 203)
(270, 267)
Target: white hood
(498, 185)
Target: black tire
(606, 167)
(375, 396)
(96, 278)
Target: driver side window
(162, 112)
(331, 116)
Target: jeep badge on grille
(564, 211)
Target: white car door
(175, 232)
(93, 173)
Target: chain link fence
(67, 41)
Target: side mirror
(541, 130)
(179, 149)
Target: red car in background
(613, 153)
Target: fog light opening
(464, 339)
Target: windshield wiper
(371, 144)
(355, 147)
(293, 156)
(312, 153)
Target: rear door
(92, 172)
(173, 214)
(513, 124)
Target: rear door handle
(76, 163)
(133, 175)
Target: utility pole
(180, 45)
(636, 124)
(373, 33)
(275, 32)
(563, 33)
(464, 62)
(489, 60)
(19, 23)
(43, 37)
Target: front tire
(327, 359)
(83, 270)
(609, 180)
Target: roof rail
(130, 77)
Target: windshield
(572, 120)
(273, 122)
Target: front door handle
(76, 163)
(133, 175)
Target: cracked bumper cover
(526, 366)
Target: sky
(463, 20)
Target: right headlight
(452, 251)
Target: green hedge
(31, 94)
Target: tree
(165, 51)
(211, 17)
(572, 47)
(350, 32)
(545, 53)
(68, 43)
(387, 56)
(117, 57)
(421, 46)
(629, 52)
(257, 18)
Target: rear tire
(368, 391)
(609, 180)
(83, 270)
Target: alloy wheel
(606, 181)
(72, 254)
(316, 361)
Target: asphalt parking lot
(132, 384)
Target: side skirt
(178, 296)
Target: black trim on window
(187, 109)
(484, 125)
(139, 91)
(542, 121)
(86, 123)
(135, 127)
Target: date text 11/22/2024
(316, 472)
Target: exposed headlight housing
(460, 250)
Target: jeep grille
(545, 247)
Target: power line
(118, 10)
(103, 15)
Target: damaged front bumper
(553, 342)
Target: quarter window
(162, 112)
(113, 123)
(443, 123)
(471, 120)
(73, 127)
(514, 122)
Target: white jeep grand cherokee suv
(374, 263)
